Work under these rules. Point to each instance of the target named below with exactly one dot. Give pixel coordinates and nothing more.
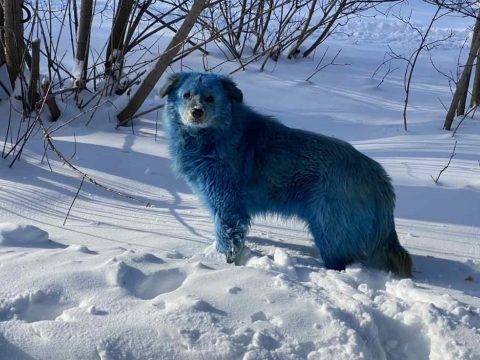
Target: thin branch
(64, 160)
(435, 180)
(140, 114)
(73, 201)
(471, 110)
(331, 63)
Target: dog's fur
(242, 163)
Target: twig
(388, 72)
(472, 109)
(413, 60)
(122, 123)
(441, 103)
(156, 127)
(448, 164)
(73, 201)
(331, 63)
(74, 147)
(80, 172)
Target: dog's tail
(398, 260)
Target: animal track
(33, 307)
(258, 316)
(147, 286)
(234, 290)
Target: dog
(242, 163)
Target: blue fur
(242, 164)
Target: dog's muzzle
(197, 115)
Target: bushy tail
(398, 259)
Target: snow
(18, 235)
(78, 69)
(391, 30)
(123, 281)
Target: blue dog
(242, 163)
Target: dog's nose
(197, 113)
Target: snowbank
(21, 235)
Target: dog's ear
(233, 92)
(172, 81)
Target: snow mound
(18, 235)
(381, 31)
(139, 304)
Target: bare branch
(435, 180)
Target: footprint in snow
(145, 286)
(258, 316)
(33, 307)
(234, 290)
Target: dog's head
(201, 100)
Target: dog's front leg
(230, 231)
(223, 191)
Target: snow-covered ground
(123, 281)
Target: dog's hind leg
(336, 254)
(332, 258)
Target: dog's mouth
(194, 117)
(195, 120)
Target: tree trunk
(462, 83)
(263, 26)
(475, 101)
(34, 75)
(50, 100)
(468, 70)
(243, 15)
(304, 33)
(148, 83)
(83, 38)
(115, 43)
(327, 29)
(2, 40)
(13, 33)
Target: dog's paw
(238, 254)
(232, 254)
(243, 256)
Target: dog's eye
(209, 99)
(186, 95)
